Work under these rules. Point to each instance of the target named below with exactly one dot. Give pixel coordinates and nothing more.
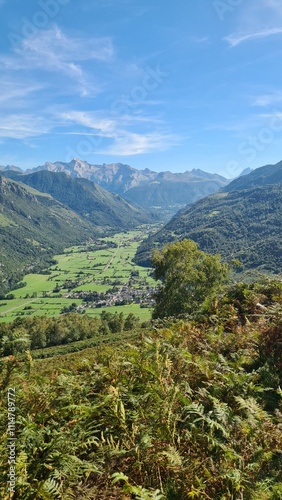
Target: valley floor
(88, 279)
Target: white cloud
(258, 19)
(118, 140)
(52, 50)
(133, 144)
(68, 58)
(97, 121)
(15, 94)
(89, 120)
(54, 45)
(23, 126)
(128, 144)
(236, 39)
(123, 141)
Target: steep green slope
(33, 226)
(89, 200)
(269, 174)
(245, 225)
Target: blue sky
(152, 83)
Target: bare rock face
(144, 187)
(115, 177)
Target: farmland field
(88, 278)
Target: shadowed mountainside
(237, 223)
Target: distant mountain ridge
(146, 187)
(175, 189)
(98, 206)
(242, 221)
(115, 177)
(246, 171)
(10, 167)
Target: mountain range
(143, 187)
(98, 206)
(43, 212)
(242, 221)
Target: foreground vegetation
(69, 333)
(190, 278)
(189, 408)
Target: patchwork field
(87, 278)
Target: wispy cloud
(237, 39)
(53, 51)
(90, 121)
(15, 94)
(53, 44)
(258, 19)
(132, 138)
(71, 62)
(23, 126)
(123, 142)
(128, 144)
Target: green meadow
(83, 268)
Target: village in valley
(85, 278)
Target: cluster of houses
(116, 296)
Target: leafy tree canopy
(190, 278)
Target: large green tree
(189, 276)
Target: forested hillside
(33, 227)
(239, 224)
